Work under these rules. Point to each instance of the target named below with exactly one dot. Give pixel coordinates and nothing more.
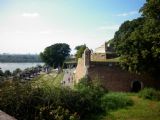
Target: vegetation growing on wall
(79, 51)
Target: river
(13, 66)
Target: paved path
(4, 116)
(68, 79)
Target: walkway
(68, 79)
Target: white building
(101, 49)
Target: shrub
(91, 92)
(29, 102)
(59, 113)
(113, 101)
(25, 101)
(94, 86)
(150, 93)
(20, 100)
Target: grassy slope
(141, 110)
(109, 60)
(48, 80)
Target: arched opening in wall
(136, 86)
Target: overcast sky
(28, 26)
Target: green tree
(55, 55)
(151, 35)
(7, 73)
(1, 73)
(137, 42)
(79, 51)
(17, 71)
(151, 9)
(128, 44)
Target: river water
(13, 66)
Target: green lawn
(141, 110)
(48, 80)
(109, 60)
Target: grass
(141, 110)
(150, 93)
(114, 101)
(109, 60)
(57, 80)
(86, 101)
(48, 80)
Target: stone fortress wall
(111, 75)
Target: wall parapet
(111, 74)
(80, 70)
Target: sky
(29, 26)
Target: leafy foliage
(137, 42)
(17, 71)
(80, 50)
(151, 9)
(150, 93)
(55, 55)
(113, 101)
(49, 103)
(27, 101)
(1, 73)
(129, 45)
(7, 73)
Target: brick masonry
(115, 79)
(80, 70)
(112, 76)
(98, 56)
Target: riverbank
(13, 66)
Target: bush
(94, 86)
(25, 101)
(30, 102)
(20, 100)
(150, 93)
(113, 101)
(59, 113)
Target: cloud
(109, 27)
(51, 31)
(127, 14)
(46, 32)
(19, 32)
(31, 15)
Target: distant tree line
(19, 58)
(26, 74)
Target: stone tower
(87, 59)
